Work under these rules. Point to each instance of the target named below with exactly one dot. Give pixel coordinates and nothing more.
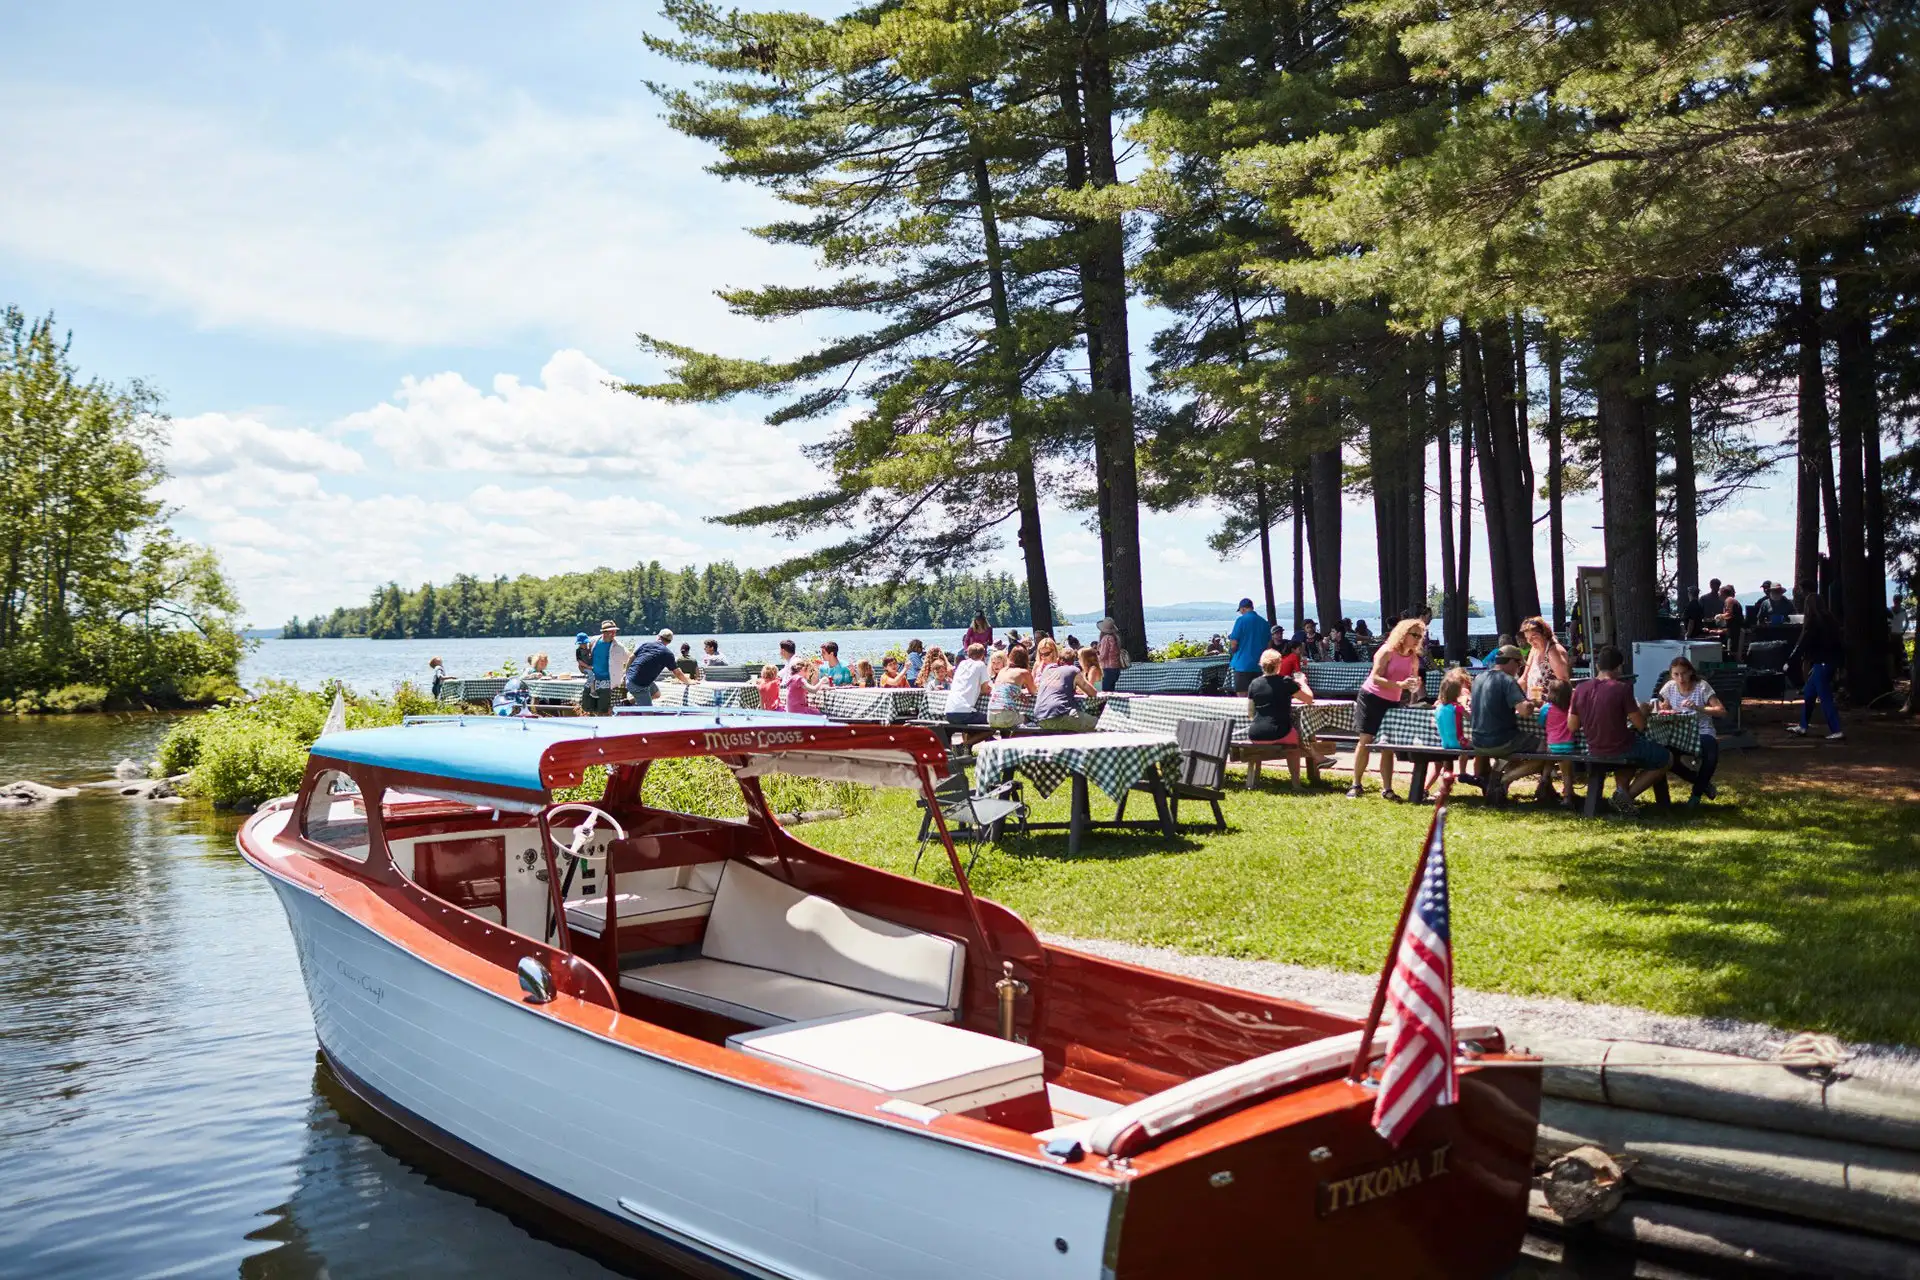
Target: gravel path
(1349, 993)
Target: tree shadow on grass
(1799, 910)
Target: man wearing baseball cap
(1246, 642)
(1499, 703)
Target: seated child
(769, 686)
(1450, 719)
(891, 676)
(1560, 735)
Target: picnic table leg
(1313, 760)
(1596, 783)
(1077, 822)
(1253, 773)
(1661, 793)
(1417, 783)
(1163, 805)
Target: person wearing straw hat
(607, 661)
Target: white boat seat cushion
(768, 924)
(946, 1068)
(761, 998)
(655, 906)
(774, 954)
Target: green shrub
(180, 749)
(207, 690)
(72, 698)
(244, 761)
(1179, 647)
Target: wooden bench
(1409, 732)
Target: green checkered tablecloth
(1323, 716)
(1414, 727)
(1111, 761)
(1160, 712)
(882, 706)
(706, 693)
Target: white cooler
(931, 1064)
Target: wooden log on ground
(1849, 1183)
(1759, 1245)
(1762, 1095)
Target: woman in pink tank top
(1395, 677)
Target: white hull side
(755, 1180)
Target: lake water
(161, 1109)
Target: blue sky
(381, 260)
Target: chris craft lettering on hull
(706, 1043)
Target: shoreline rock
(24, 794)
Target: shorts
(1498, 750)
(1004, 717)
(1560, 748)
(1241, 679)
(1291, 740)
(1072, 722)
(1373, 711)
(1647, 753)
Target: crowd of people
(1522, 700)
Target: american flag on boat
(1419, 1071)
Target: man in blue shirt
(606, 668)
(1246, 642)
(651, 660)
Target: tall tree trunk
(1443, 435)
(1556, 533)
(1299, 552)
(1457, 608)
(1067, 39)
(1626, 477)
(1419, 435)
(1478, 362)
(1814, 441)
(1686, 494)
(1263, 511)
(1020, 432)
(1106, 299)
(1388, 505)
(1862, 620)
(1323, 532)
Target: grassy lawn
(1800, 909)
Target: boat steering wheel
(582, 833)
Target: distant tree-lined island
(719, 598)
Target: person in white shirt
(711, 657)
(607, 670)
(969, 678)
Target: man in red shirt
(1615, 725)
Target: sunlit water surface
(161, 1112)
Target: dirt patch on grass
(1880, 758)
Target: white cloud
(573, 424)
(559, 475)
(486, 217)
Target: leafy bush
(1179, 647)
(72, 698)
(244, 761)
(207, 690)
(246, 752)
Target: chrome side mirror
(535, 979)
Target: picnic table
(1112, 761)
(878, 706)
(1182, 675)
(707, 693)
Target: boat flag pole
(1364, 1054)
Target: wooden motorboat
(767, 1061)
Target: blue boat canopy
(509, 752)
